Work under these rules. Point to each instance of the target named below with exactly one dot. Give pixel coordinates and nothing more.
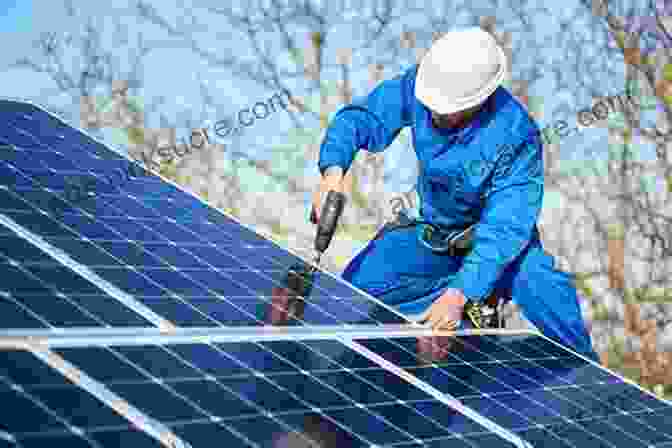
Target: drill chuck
(326, 227)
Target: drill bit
(316, 261)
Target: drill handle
(313, 213)
(328, 220)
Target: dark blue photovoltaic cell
(40, 406)
(23, 368)
(103, 437)
(150, 239)
(532, 386)
(322, 390)
(40, 293)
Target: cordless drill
(326, 225)
(289, 301)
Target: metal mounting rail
(146, 335)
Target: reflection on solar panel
(176, 256)
(537, 389)
(140, 254)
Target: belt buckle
(426, 235)
(427, 232)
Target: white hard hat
(461, 70)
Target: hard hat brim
(438, 102)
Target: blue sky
(16, 17)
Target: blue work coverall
(489, 172)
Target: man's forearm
(371, 122)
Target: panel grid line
(86, 273)
(604, 369)
(59, 294)
(46, 409)
(10, 297)
(599, 400)
(443, 397)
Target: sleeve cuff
(329, 162)
(477, 284)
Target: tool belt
(453, 242)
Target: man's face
(454, 120)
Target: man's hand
(331, 180)
(446, 311)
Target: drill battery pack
(288, 302)
(484, 315)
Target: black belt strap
(456, 242)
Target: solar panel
(164, 250)
(129, 254)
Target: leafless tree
(621, 228)
(81, 63)
(640, 214)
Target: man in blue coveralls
(481, 164)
